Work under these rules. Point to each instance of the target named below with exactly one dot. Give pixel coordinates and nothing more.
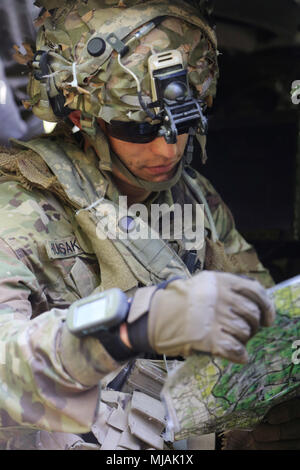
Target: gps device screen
(91, 313)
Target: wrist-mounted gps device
(101, 315)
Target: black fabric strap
(190, 260)
(138, 335)
(113, 344)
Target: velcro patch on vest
(65, 248)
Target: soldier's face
(154, 161)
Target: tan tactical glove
(211, 312)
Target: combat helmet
(92, 56)
(77, 48)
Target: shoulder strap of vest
(197, 191)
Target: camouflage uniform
(46, 264)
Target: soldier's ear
(74, 116)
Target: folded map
(205, 394)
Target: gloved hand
(279, 431)
(212, 312)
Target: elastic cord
(142, 32)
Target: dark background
(253, 141)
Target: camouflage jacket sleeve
(239, 252)
(48, 378)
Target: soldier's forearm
(41, 386)
(48, 378)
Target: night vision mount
(173, 102)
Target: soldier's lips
(160, 170)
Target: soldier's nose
(161, 148)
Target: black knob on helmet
(96, 47)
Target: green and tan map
(207, 394)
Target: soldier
(91, 69)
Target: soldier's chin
(162, 178)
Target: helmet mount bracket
(41, 73)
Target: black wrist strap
(138, 335)
(113, 344)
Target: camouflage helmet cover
(98, 86)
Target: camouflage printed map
(207, 394)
